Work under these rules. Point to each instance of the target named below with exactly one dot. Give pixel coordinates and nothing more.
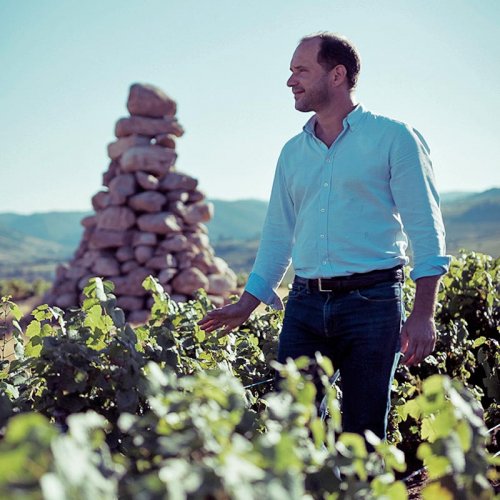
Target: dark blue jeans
(359, 330)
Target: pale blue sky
(66, 66)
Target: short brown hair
(334, 50)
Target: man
(347, 191)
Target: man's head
(323, 66)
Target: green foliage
(164, 411)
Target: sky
(66, 67)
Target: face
(309, 81)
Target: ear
(338, 75)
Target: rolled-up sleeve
(274, 254)
(415, 195)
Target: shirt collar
(351, 120)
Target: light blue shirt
(350, 208)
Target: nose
(291, 81)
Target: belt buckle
(320, 286)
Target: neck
(329, 120)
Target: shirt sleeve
(415, 195)
(274, 254)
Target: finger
(212, 325)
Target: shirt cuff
(434, 266)
(259, 288)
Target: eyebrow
(297, 67)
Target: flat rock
(89, 221)
(100, 200)
(143, 253)
(120, 188)
(115, 218)
(177, 195)
(165, 140)
(106, 266)
(189, 280)
(125, 253)
(178, 180)
(198, 212)
(195, 196)
(147, 201)
(113, 170)
(147, 181)
(128, 266)
(139, 317)
(117, 148)
(174, 243)
(131, 284)
(165, 275)
(148, 100)
(161, 223)
(149, 239)
(160, 262)
(106, 238)
(66, 300)
(130, 302)
(153, 159)
(149, 127)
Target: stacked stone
(148, 220)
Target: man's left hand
(418, 338)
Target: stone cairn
(148, 220)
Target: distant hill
(32, 245)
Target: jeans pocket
(297, 290)
(381, 292)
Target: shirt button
(322, 210)
(321, 235)
(328, 160)
(325, 262)
(325, 184)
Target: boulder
(148, 100)
(188, 281)
(106, 266)
(147, 201)
(116, 218)
(161, 223)
(152, 159)
(149, 127)
(220, 284)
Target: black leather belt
(353, 281)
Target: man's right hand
(230, 316)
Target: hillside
(32, 245)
